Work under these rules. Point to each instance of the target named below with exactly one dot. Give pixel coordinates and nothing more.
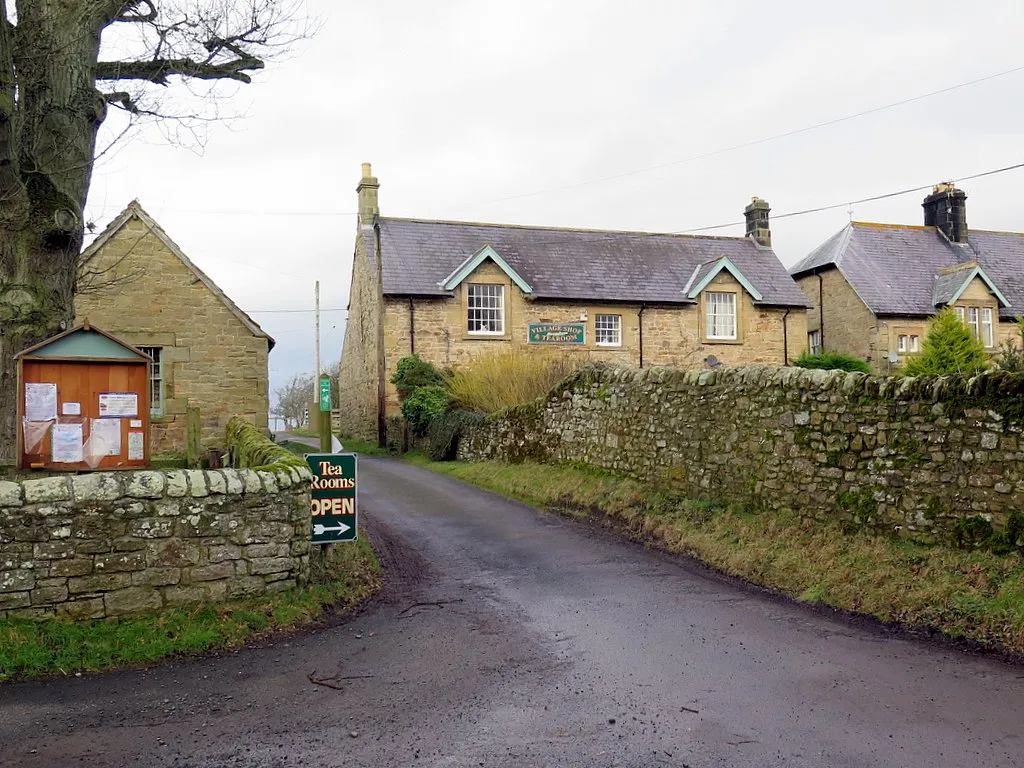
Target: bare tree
(293, 399)
(62, 64)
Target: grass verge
(969, 595)
(38, 648)
(363, 447)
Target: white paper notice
(67, 443)
(40, 402)
(119, 404)
(71, 409)
(135, 424)
(136, 446)
(105, 437)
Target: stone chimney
(946, 209)
(367, 189)
(758, 228)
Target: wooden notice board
(83, 403)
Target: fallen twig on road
(325, 682)
(436, 603)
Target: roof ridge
(135, 209)
(884, 225)
(549, 228)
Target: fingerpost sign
(332, 497)
(325, 393)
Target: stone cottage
(450, 290)
(138, 284)
(874, 287)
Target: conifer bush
(949, 348)
(832, 361)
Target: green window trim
(467, 267)
(732, 269)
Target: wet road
(512, 638)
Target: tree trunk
(48, 128)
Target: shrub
(1011, 351)
(498, 380)
(424, 405)
(412, 372)
(444, 433)
(831, 361)
(948, 348)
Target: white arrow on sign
(319, 529)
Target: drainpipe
(640, 320)
(785, 338)
(821, 314)
(412, 327)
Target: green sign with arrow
(325, 393)
(333, 497)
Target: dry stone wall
(910, 457)
(123, 543)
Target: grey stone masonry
(111, 544)
(909, 457)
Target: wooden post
(193, 429)
(325, 413)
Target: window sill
(721, 341)
(607, 345)
(474, 336)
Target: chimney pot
(366, 171)
(758, 225)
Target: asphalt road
(512, 638)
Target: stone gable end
(210, 358)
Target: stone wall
(357, 374)
(122, 543)
(210, 359)
(903, 456)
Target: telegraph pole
(316, 373)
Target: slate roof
(574, 264)
(895, 268)
(947, 284)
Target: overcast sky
(586, 114)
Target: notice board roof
(85, 342)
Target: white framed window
(156, 380)
(902, 343)
(608, 330)
(486, 304)
(721, 314)
(959, 313)
(987, 335)
(972, 322)
(915, 344)
(814, 342)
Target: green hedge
(833, 361)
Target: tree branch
(129, 11)
(158, 70)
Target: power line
(283, 311)
(753, 143)
(602, 236)
(871, 199)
